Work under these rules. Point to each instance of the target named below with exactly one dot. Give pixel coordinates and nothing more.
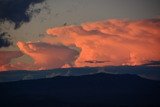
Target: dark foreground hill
(83, 91)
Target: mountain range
(94, 90)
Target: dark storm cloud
(95, 61)
(153, 63)
(15, 10)
(4, 39)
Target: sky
(48, 34)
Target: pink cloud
(6, 57)
(101, 43)
(48, 56)
(116, 42)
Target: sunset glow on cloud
(101, 43)
(115, 42)
(47, 56)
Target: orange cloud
(101, 43)
(48, 56)
(113, 42)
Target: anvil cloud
(114, 42)
(48, 56)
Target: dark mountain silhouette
(120, 90)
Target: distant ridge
(149, 72)
(93, 90)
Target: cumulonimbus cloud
(114, 42)
(101, 43)
(48, 56)
(45, 56)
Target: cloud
(95, 61)
(152, 63)
(48, 56)
(6, 57)
(15, 10)
(118, 42)
(4, 39)
(102, 43)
